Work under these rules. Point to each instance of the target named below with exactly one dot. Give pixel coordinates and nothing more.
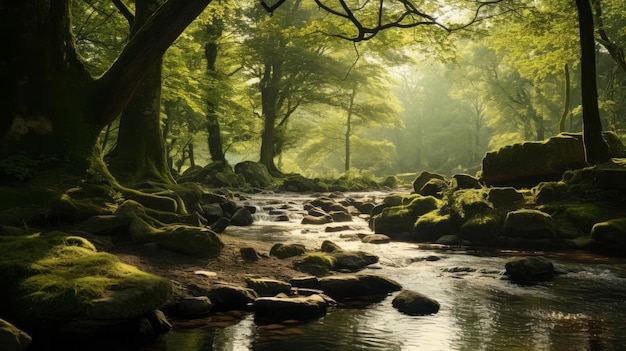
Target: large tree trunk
(51, 108)
(270, 88)
(596, 149)
(140, 150)
(211, 49)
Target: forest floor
(227, 267)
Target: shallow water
(581, 309)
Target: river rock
(423, 178)
(611, 234)
(192, 306)
(186, 240)
(432, 226)
(464, 181)
(268, 287)
(329, 246)
(242, 217)
(308, 219)
(529, 269)
(340, 216)
(269, 310)
(506, 197)
(529, 224)
(414, 303)
(375, 239)
(227, 297)
(249, 254)
(529, 163)
(434, 187)
(255, 173)
(12, 338)
(356, 286)
(287, 250)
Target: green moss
(469, 203)
(585, 215)
(55, 276)
(316, 263)
(423, 204)
(433, 225)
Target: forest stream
(582, 308)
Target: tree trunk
(349, 127)
(596, 149)
(211, 49)
(140, 150)
(270, 88)
(51, 108)
(566, 102)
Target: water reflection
(582, 309)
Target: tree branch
(116, 87)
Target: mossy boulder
(269, 310)
(297, 183)
(400, 219)
(317, 264)
(55, 277)
(611, 235)
(469, 203)
(464, 181)
(529, 224)
(186, 240)
(529, 163)
(255, 173)
(432, 226)
(505, 197)
(267, 286)
(480, 229)
(215, 174)
(423, 178)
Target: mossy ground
(56, 276)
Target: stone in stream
(227, 297)
(269, 310)
(268, 287)
(414, 303)
(527, 270)
(356, 287)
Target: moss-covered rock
(611, 235)
(529, 224)
(55, 277)
(423, 178)
(469, 203)
(283, 251)
(480, 229)
(529, 163)
(464, 181)
(432, 226)
(255, 173)
(298, 183)
(187, 240)
(400, 219)
(317, 264)
(505, 197)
